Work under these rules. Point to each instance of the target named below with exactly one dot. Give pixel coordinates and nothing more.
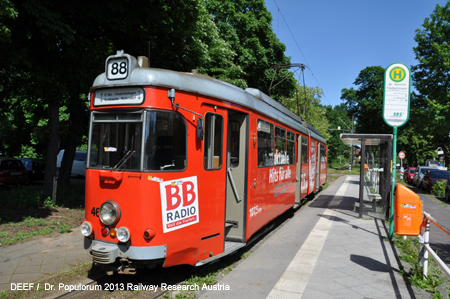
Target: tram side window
(265, 144)
(290, 148)
(165, 141)
(323, 153)
(235, 131)
(280, 146)
(212, 155)
(304, 150)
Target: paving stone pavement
(40, 258)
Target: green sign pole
(394, 167)
(397, 82)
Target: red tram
(184, 169)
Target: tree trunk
(52, 148)
(76, 109)
(70, 150)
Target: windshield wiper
(169, 165)
(122, 162)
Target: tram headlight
(109, 212)
(86, 229)
(123, 234)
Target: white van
(79, 163)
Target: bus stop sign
(396, 98)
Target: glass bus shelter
(375, 174)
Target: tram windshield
(165, 141)
(150, 141)
(116, 141)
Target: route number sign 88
(117, 68)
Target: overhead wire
(298, 46)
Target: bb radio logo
(179, 203)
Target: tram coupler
(125, 267)
(109, 269)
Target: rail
(425, 248)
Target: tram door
(236, 201)
(302, 169)
(319, 153)
(312, 169)
(298, 184)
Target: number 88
(116, 68)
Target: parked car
(432, 163)
(35, 168)
(420, 172)
(78, 165)
(409, 174)
(12, 171)
(432, 176)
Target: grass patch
(413, 272)
(68, 277)
(338, 169)
(26, 214)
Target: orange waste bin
(408, 214)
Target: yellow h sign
(397, 74)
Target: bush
(439, 188)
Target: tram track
(112, 286)
(147, 283)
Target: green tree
(309, 101)
(366, 102)
(52, 52)
(337, 117)
(214, 56)
(431, 76)
(246, 26)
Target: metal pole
(426, 240)
(351, 145)
(361, 176)
(393, 165)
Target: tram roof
(207, 86)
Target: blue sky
(338, 39)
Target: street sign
(401, 155)
(396, 98)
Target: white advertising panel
(179, 203)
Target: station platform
(335, 254)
